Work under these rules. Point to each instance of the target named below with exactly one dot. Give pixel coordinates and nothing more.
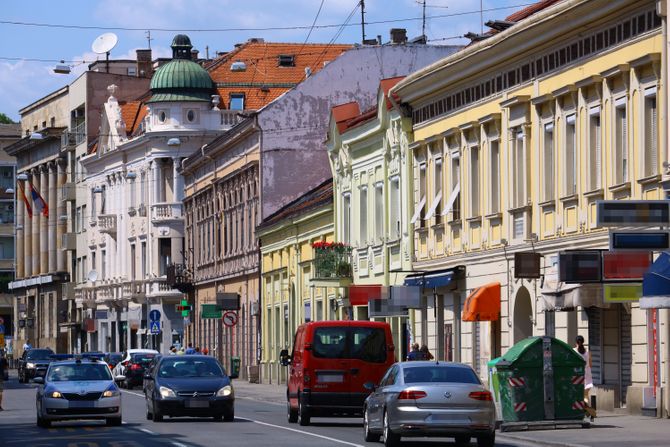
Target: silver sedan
(430, 399)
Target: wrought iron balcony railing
(332, 261)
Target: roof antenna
(363, 20)
(149, 39)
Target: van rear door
(368, 354)
(330, 365)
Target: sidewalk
(609, 429)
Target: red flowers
(324, 245)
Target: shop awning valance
(564, 296)
(483, 304)
(430, 280)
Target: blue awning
(656, 284)
(431, 280)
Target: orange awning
(483, 304)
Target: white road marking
(146, 430)
(134, 394)
(328, 438)
(178, 444)
(255, 399)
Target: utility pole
(149, 39)
(363, 20)
(423, 21)
(481, 16)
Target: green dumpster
(539, 378)
(234, 367)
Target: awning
(656, 284)
(431, 280)
(360, 295)
(569, 296)
(483, 304)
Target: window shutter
(653, 143)
(624, 147)
(599, 155)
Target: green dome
(181, 79)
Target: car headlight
(55, 395)
(111, 392)
(30, 365)
(166, 392)
(225, 391)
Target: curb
(513, 437)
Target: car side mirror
(370, 386)
(39, 380)
(284, 358)
(119, 378)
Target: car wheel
(217, 417)
(369, 436)
(487, 440)
(229, 416)
(462, 440)
(41, 422)
(155, 415)
(303, 414)
(292, 414)
(149, 415)
(113, 422)
(390, 439)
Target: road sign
(632, 213)
(230, 318)
(210, 311)
(155, 315)
(640, 240)
(155, 327)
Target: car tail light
(135, 367)
(481, 395)
(411, 394)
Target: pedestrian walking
(426, 353)
(197, 350)
(205, 351)
(189, 349)
(27, 345)
(588, 377)
(3, 368)
(415, 354)
(173, 350)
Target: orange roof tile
(263, 70)
(343, 112)
(530, 10)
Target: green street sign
(210, 311)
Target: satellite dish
(104, 43)
(92, 276)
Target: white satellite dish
(92, 276)
(104, 43)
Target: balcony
(230, 117)
(166, 212)
(134, 289)
(179, 277)
(331, 265)
(69, 192)
(107, 223)
(70, 139)
(159, 287)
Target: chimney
(194, 55)
(398, 36)
(144, 65)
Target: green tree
(4, 119)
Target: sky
(28, 53)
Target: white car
(121, 368)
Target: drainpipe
(662, 7)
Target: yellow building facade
(290, 297)
(516, 139)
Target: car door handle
(354, 371)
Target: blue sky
(23, 81)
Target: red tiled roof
(321, 195)
(344, 112)
(263, 70)
(133, 112)
(530, 10)
(385, 85)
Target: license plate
(191, 403)
(330, 378)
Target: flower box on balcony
(332, 261)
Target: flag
(40, 205)
(29, 209)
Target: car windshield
(143, 359)
(174, 368)
(79, 372)
(39, 354)
(440, 374)
(114, 358)
(361, 343)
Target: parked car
(80, 388)
(120, 368)
(330, 363)
(34, 363)
(113, 358)
(189, 385)
(424, 398)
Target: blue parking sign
(155, 327)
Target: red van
(330, 365)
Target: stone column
(53, 217)
(44, 221)
(177, 181)
(61, 226)
(27, 235)
(35, 253)
(156, 180)
(18, 225)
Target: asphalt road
(256, 423)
